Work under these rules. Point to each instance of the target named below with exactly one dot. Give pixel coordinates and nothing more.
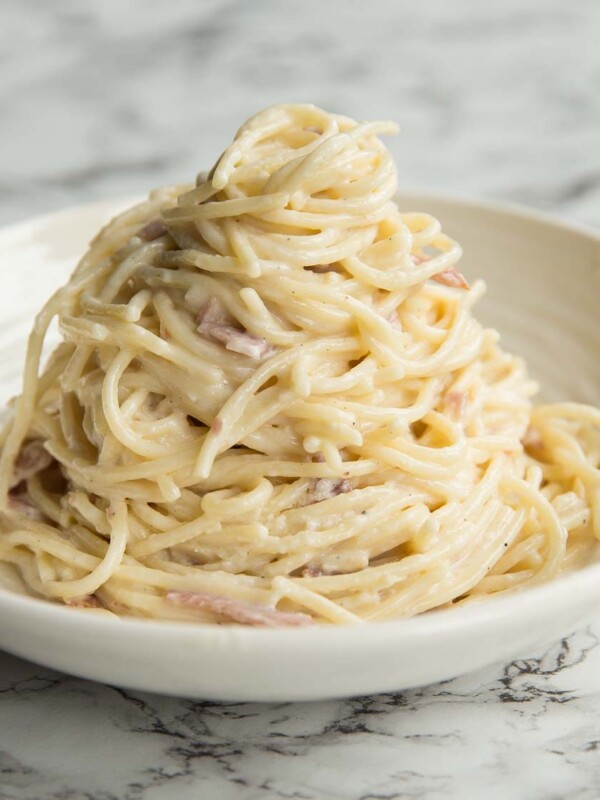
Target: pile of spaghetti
(272, 406)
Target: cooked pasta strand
(273, 406)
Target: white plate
(544, 294)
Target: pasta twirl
(273, 406)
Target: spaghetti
(273, 406)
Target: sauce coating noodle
(273, 406)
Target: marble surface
(526, 730)
(496, 99)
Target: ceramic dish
(543, 295)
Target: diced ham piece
(213, 313)
(214, 323)
(240, 611)
(314, 572)
(326, 488)
(32, 458)
(393, 319)
(455, 404)
(22, 503)
(153, 230)
(244, 343)
(451, 277)
(87, 601)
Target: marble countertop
(496, 99)
(526, 730)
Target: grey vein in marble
(529, 729)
